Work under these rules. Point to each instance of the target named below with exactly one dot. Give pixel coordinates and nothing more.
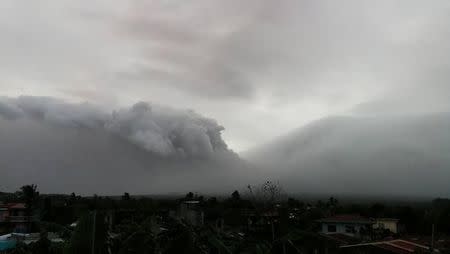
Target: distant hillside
(382, 155)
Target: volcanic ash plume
(160, 130)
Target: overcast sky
(260, 68)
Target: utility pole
(273, 230)
(432, 237)
(93, 232)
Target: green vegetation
(262, 220)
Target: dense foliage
(133, 224)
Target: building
(261, 222)
(14, 217)
(386, 224)
(347, 224)
(3, 213)
(3, 219)
(191, 212)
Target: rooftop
(394, 246)
(192, 202)
(17, 206)
(347, 218)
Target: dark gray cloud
(383, 155)
(64, 159)
(161, 130)
(168, 132)
(80, 147)
(246, 64)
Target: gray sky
(260, 68)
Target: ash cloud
(63, 159)
(146, 148)
(267, 60)
(168, 132)
(161, 130)
(380, 155)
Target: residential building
(3, 213)
(387, 224)
(14, 217)
(191, 212)
(347, 224)
(3, 219)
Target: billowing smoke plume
(406, 155)
(160, 130)
(168, 132)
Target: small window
(331, 228)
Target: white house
(348, 224)
(386, 223)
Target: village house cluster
(14, 218)
(287, 226)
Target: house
(14, 217)
(191, 212)
(257, 220)
(262, 223)
(347, 224)
(386, 224)
(3, 213)
(18, 218)
(3, 219)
